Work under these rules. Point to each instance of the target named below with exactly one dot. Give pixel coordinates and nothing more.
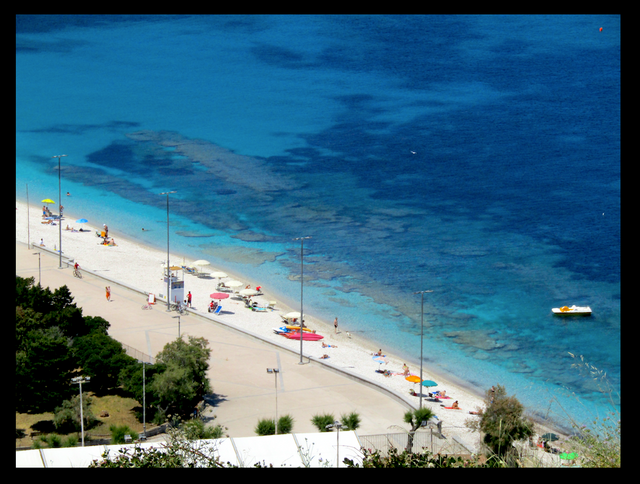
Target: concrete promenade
(243, 390)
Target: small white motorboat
(572, 311)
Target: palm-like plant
(415, 418)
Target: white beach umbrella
(248, 292)
(292, 315)
(219, 274)
(233, 284)
(201, 262)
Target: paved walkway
(244, 391)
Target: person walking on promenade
(108, 288)
(189, 299)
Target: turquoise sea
(474, 156)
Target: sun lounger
(217, 311)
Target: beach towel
(451, 408)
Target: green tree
(502, 421)
(67, 416)
(130, 378)
(43, 371)
(184, 381)
(415, 418)
(96, 324)
(101, 358)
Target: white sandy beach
(141, 267)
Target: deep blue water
(475, 156)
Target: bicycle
(77, 273)
(147, 306)
(180, 307)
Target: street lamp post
(174, 317)
(301, 239)
(168, 266)
(79, 380)
(60, 202)
(337, 425)
(421, 336)
(275, 371)
(39, 270)
(144, 402)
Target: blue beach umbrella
(81, 221)
(429, 383)
(380, 359)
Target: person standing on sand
(335, 325)
(108, 293)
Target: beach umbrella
(219, 295)
(380, 359)
(48, 200)
(248, 292)
(412, 378)
(219, 274)
(201, 262)
(292, 315)
(233, 284)
(429, 383)
(81, 221)
(550, 437)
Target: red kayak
(305, 336)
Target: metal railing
(427, 440)
(138, 355)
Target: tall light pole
(174, 317)
(79, 380)
(168, 266)
(60, 202)
(301, 239)
(275, 371)
(39, 271)
(144, 402)
(338, 426)
(421, 336)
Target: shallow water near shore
(477, 157)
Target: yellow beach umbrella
(48, 200)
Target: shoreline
(138, 265)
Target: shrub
(52, 440)
(266, 426)
(67, 415)
(502, 422)
(351, 420)
(321, 421)
(119, 431)
(285, 424)
(72, 441)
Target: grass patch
(121, 410)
